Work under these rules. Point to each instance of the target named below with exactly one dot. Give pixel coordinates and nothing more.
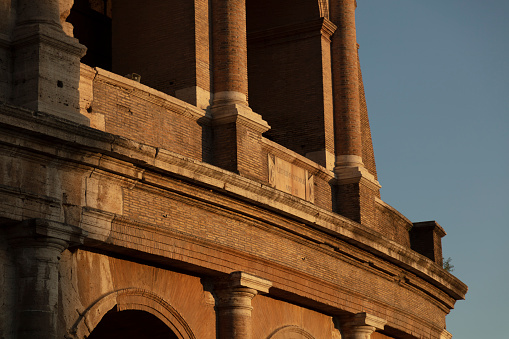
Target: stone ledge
(232, 184)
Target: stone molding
(238, 113)
(60, 233)
(243, 279)
(232, 184)
(446, 335)
(364, 319)
(354, 175)
(360, 325)
(49, 35)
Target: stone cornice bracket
(360, 325)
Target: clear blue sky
(436, 74)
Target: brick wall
(156, 39)
(287, 87)
(139, 113)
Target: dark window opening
(92, 27)
(131, 324)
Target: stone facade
(200, 169)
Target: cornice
(224, 182)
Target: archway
(112, 306)
(131, 324)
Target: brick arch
(131, 299)
(290, 332)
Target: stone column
(345, 72)
(237, 129)
(230, 51)
(234, 304)
(360, 326)
(356, 186)
(46, 61)
(37, 245)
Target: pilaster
(237, 130)
(36, 245)
(46, 61)
(234, 304)
(356, 186)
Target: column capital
(34, 230)
(234, 295)
(364, 319)
(360, 325)
(244, 281)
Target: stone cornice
(225, 182)
(46, 34)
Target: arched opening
(288, 62)
(131, 324)
(131, 306)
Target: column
(37, 245)
(356, 187)
(237, 129)
(345, 72)
(46, 61)
(234, 304)
(360, 326)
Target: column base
(356, 192)
(237, 133)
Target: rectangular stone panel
(290, 178)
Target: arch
(131, 299)
(290, 332)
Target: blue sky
(436, 74)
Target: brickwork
(148, 119)
(368, 155)
(426, 238)
(137, 48)
(346, 79)
(286, 67)
(173, 206)
(392, 224)
(230, 46)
